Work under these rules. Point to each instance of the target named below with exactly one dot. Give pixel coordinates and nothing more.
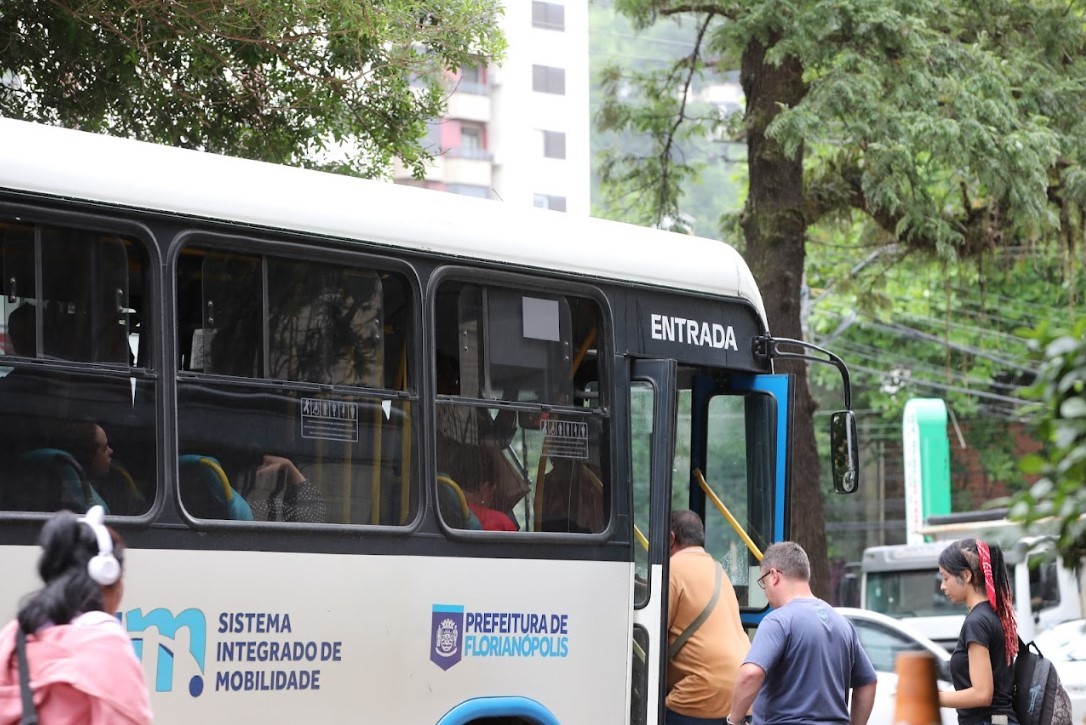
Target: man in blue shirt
(805, 656)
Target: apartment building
(518, 132)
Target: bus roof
(902, 556)
(133, 174)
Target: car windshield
(908, 594)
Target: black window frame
(303, 249)
(609, 440)
(79, 216)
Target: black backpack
(1039, 698)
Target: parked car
(1065, 646)
(884, 638)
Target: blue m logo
(168, 625)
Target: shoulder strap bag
(30, 713)
(687, 633)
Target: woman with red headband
(982, 664)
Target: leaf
(1032, 464)
(1073, 408)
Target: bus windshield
(913, 593)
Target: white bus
(380, 454)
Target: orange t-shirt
(701, 677)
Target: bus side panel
(223, 635)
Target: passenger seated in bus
(473, 472)
(454, 510)
(573, 498)
(110, 485)
(57, 475)
(473, 426)
(278, 491)
(20, 339)
(479, 501)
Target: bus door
(653, 400)
(725, 437)
(733, 454)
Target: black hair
(67, 545)
(469, 465)
(22, 329)
(79, 437)
(962, 556)
(688, 528)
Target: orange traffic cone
(917, 701)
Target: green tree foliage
(706, 195)
(949, 129)
(337, 84)
(1060, 392)
(908, 328)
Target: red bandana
(1006, 612)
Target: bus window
(294, 396)
(78, 404)
(642, 409)
(520, 428)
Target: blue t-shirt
(812, 658)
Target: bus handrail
(589, 340)
(728, 515)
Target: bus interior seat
(51, 479)
(360, 478)
(206, 491)
(454, 505)
(121, 492)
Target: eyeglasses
(761, 579)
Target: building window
(548, 79)
(471, 138)
(480, 192)
(549, 16)
(472, 144)
(554, 144)
(473, 80)
(550, 201)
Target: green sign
(927, 464)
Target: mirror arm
(767, 346)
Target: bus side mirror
(844, 452)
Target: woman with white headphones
(66, 658)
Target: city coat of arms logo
(446, 627)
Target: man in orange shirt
(706, 640)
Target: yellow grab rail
(728, 515)
(589, 340)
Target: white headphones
(103, 568)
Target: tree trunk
(775, 233)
